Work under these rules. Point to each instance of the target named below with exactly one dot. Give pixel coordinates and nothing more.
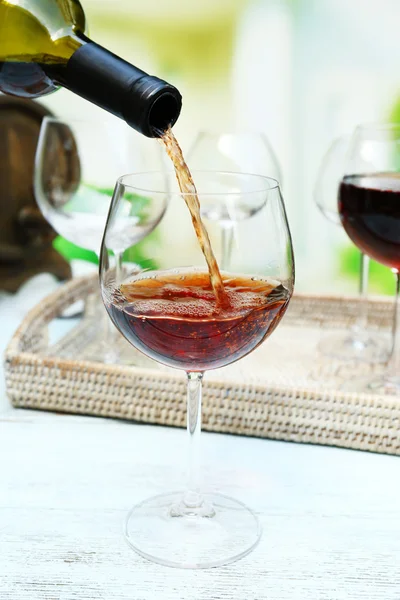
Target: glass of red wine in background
(356, 344)
(369, 207)
(169, 311)
(239, 152)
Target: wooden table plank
(331, 517)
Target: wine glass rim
(232, 133)
(195, 172)
(83, 120)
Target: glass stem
(394, 360)
(192, 497)
(118, 267)
(109, 355)
(111, 333)
(360, 326)
(227, 243)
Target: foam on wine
(192, 299)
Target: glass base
(168, 531)
(107, 345)
(349, 347)
(385, 386)
(373, 384)
(368, 379)
(102, 352)
(119, 352)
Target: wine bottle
(43, 46)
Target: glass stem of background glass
(108, 342)
(111, 335)
(192, 497)
(394, 360)
(118, 267)
(227, 242)
(359, 328)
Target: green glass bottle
(43, 46)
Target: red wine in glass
(369, 207)
(174, 318)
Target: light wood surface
(330, 517)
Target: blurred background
(302, 71)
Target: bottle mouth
(164, 112)
(157, 107)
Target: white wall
(306, 72)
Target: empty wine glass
(356, 344)
(170, 313)
(76, 165)
(369, 208)
(242, 152)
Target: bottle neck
(146, 103)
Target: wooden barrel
(25, 236)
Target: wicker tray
(272, 393)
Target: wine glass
(169, 312)
(357, 344)
(76, 165)
(369, 208)
(242, 152)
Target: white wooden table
(330, 517)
